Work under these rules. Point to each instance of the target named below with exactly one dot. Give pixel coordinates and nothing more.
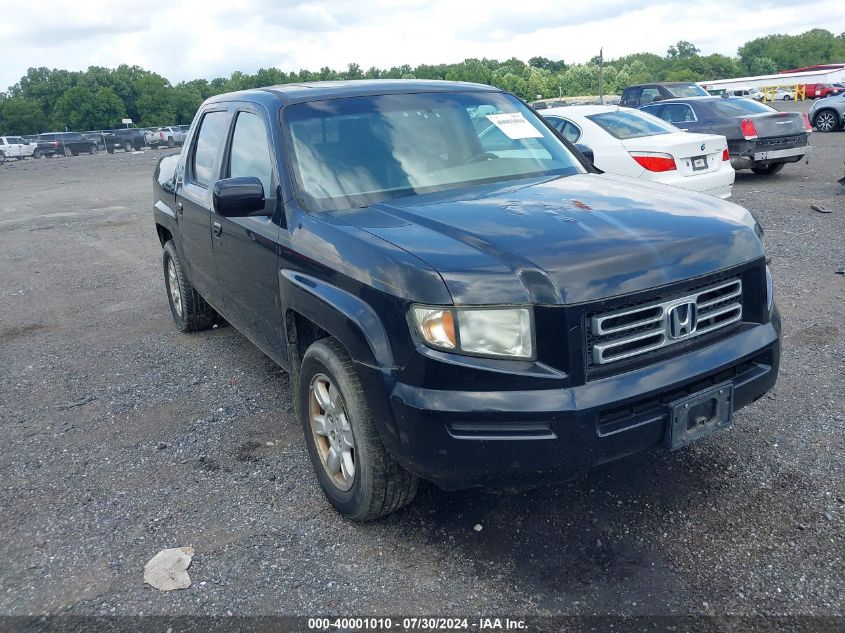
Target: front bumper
(460, 439)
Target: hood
(564, 240)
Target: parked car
(759, 137)
(169, 136)
(821, 90)
(99, 138)
(127, 139)
(783, 94)
(451, 310)
(636, 144)
(748, 93)
(15, 147)
(635, 96)
(66, 143)
(828, 114)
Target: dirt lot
(121, 437)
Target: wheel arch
(315, 309)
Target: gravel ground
(122, 437)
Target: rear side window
(211, 133)
(250, 153)
(677, 113)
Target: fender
(343, 315)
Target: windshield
(741, 107)
(625, 124)
(688, 90)
(356, 151)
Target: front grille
(632, 331)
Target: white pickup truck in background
(167, 136)
(15, 147)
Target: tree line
(98, 98)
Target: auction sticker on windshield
(514, 125)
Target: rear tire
(826, 121)
(378, 485)
(768, 170)
(190, 311)
(2, 158)
(170, 142)
(67, 151)
(92, 150)
(127, 146)
(37, 154)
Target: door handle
(180, 207)
(217, 229)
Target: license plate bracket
(699, 415)
(699, 163)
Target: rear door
(245, 247)
(193, 201)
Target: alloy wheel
(173, 286)
(332, 432)
(825, 121)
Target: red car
(820, 91)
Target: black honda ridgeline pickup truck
(456, 293)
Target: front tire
(768, 170)
(190, 311)
(67, 152)
(826, 121)
(37, 153)
(355, 472)
(127, 146)
(2, 158)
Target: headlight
(492, 332)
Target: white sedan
(633, 143)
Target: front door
(245, 247)
(193, 203)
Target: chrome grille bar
(632, 331)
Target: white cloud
(208, 38)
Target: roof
(661, 83)
(814, 67)
(320, 90)
(580, 110)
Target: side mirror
(586, 151)
(238, 197)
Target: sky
(188, 39)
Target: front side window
(649, 95)
(570, 131)
(209, 139)
(250, 153)
(355, 151)
(625, 124)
